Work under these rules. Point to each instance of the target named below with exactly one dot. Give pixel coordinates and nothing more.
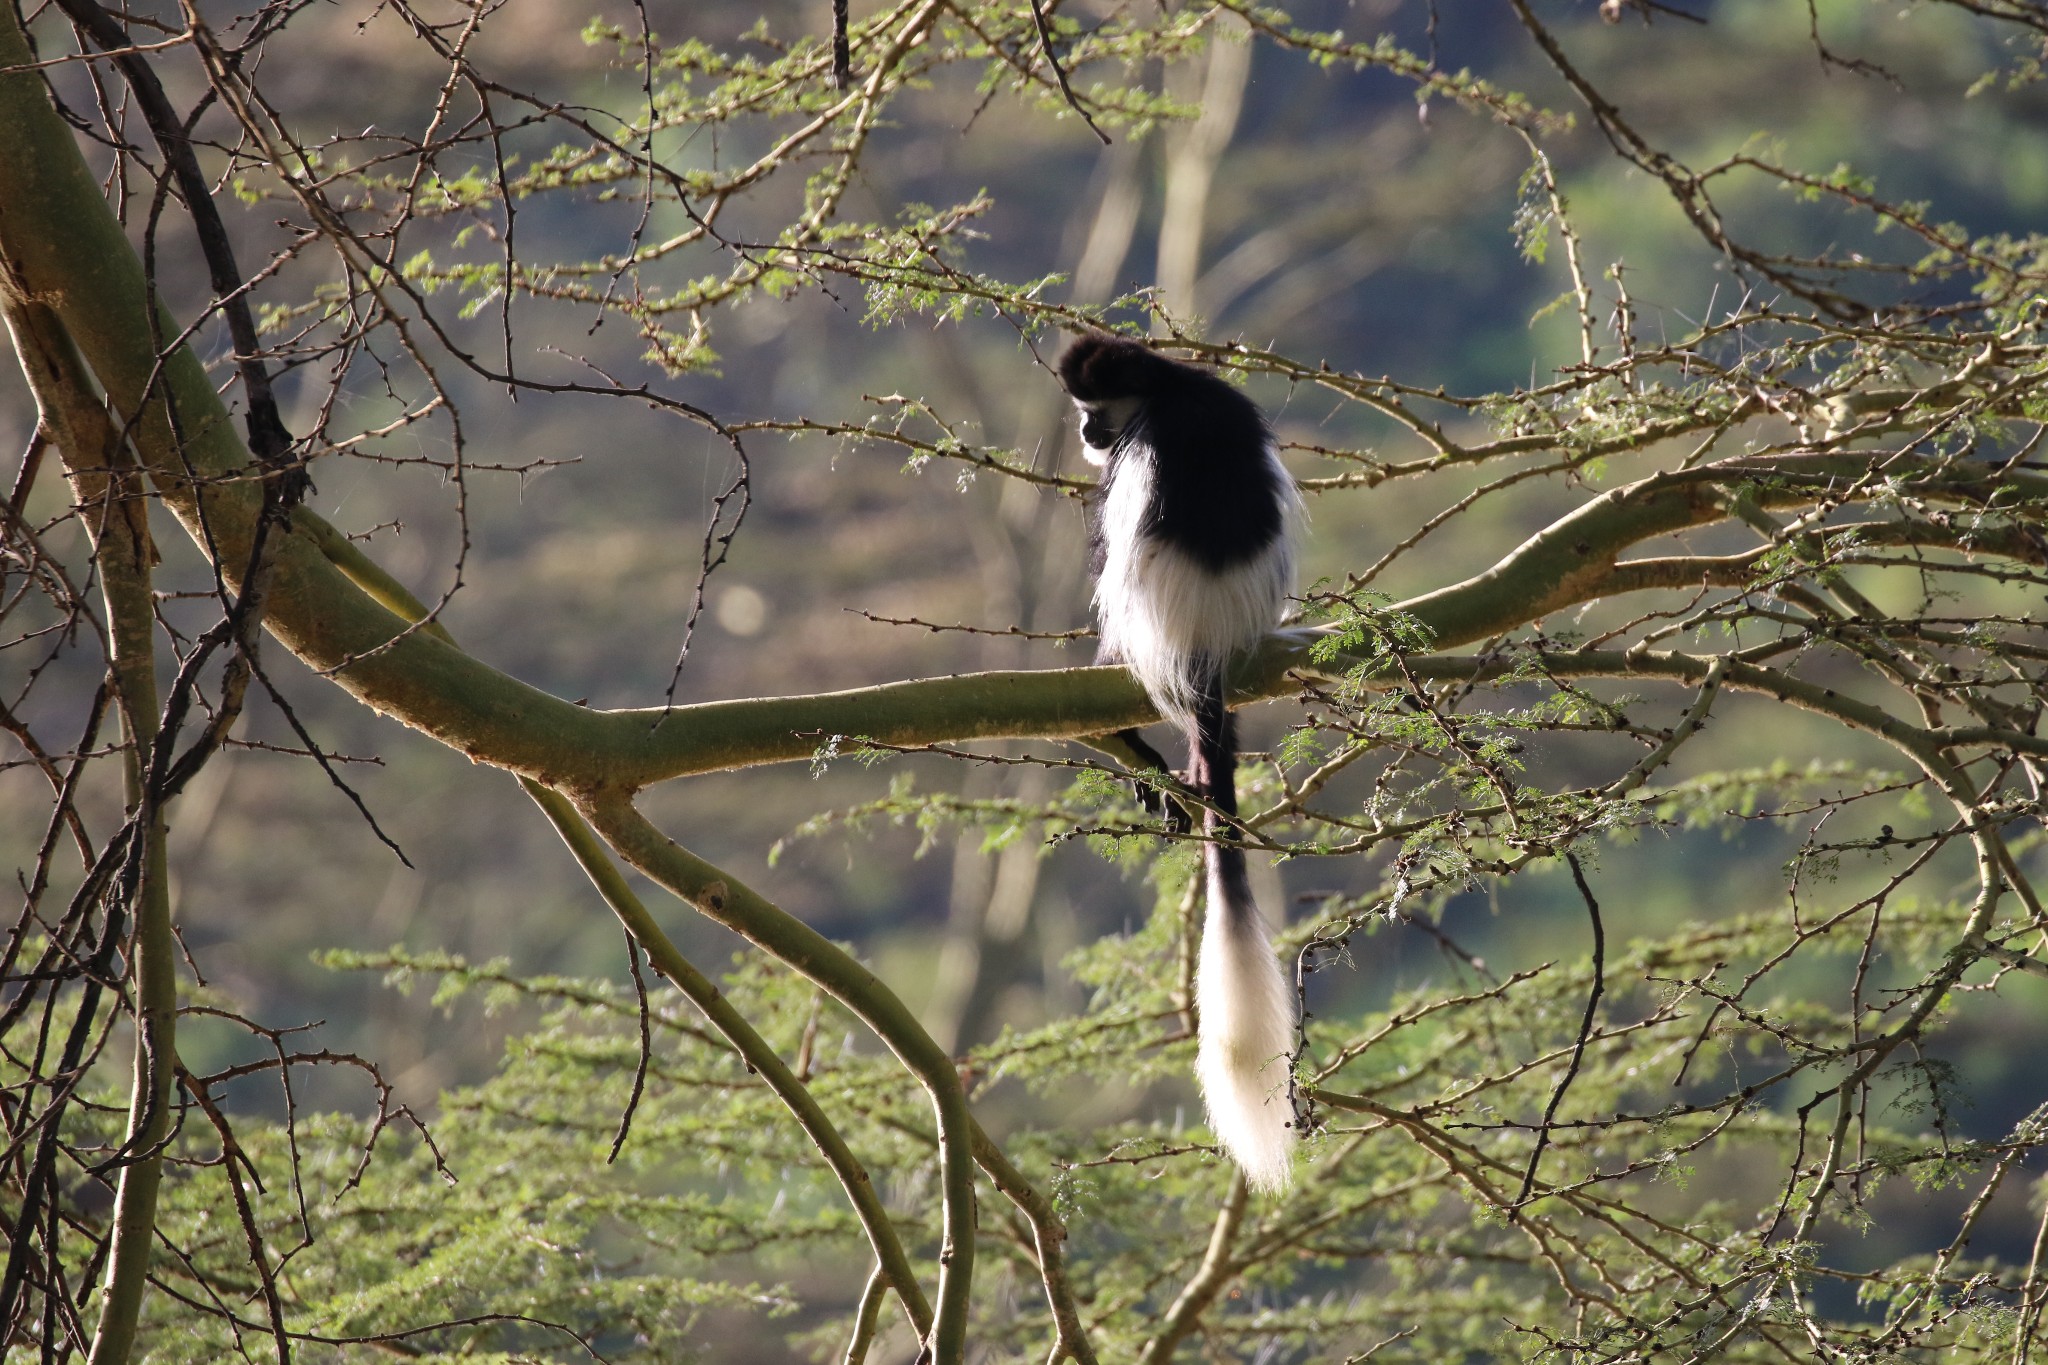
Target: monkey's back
(1217, 492)
(1183, 583)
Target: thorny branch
(1820, 500)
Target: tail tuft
(1247, 1037)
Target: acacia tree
(1809, 503)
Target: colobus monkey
(1194, 557)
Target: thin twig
(1585, 1029)
(1059, 72)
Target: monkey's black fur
(1213, 496)
(1193, 559)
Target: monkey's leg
(1131, 749)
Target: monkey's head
(1109, 379)
(1103, 425)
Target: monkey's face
(1103, 425)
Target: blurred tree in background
(1654, 810)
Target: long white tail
(1247, 1029)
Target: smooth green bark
(110, 491)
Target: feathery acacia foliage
(1746, 583)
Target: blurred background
(1341, 221)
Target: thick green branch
(789, 940)
(1048, 1235)
(892, 1266)
(110, 490)
(891, 1263)
(55, 225)
(1210, 1279)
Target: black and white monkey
(1194, 529)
